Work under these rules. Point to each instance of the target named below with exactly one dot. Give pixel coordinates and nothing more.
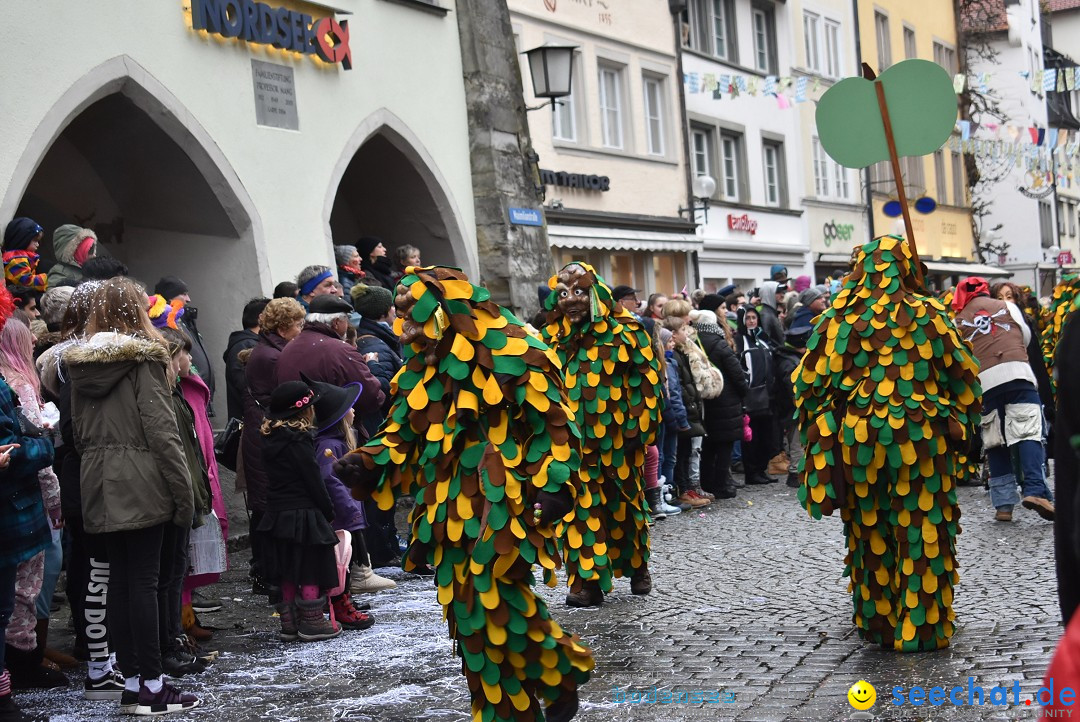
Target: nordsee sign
(256, 22)
(526, 217)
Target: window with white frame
(811, 23)
(821, 37)
(702, 150)
(956, 160)
(821, 169)
(911, 50)
(831, 179)
(884, 43)
(764, 28)
(773, 157)
(945, 57)
(730, 162)
(914, 175)
(833, 68)
(709, 27)
(611, 113)
(564, 117)
(881, 178)
(653, 94)
(939, 176)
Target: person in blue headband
(315, 281)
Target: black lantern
(552, 69)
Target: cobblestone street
(748, 599)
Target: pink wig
(17, 353)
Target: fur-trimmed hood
(99, 363)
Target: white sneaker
(366, 580)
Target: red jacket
(321, 355)
(1064, 672)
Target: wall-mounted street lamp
(703, 188)
(552, 71)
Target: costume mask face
(573, 291)
(410, 330)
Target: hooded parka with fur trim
(133, 472)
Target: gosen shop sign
(257, 22)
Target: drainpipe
(865, 172)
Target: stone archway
(386, 184)
(118, 153)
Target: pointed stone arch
(387, 184)
(118, 152)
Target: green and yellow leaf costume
(478, 428)
(613, 386)
(887, 396)
(1065, 299)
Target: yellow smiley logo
(862, 695)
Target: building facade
(232, 148)
(1020, 203)
(824, 42)
(895, 30)
(1063, 108)
(740, 136)
(611, 155)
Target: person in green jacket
(72, 246)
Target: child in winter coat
(295, 536)
(176, 661)
(335, 438)
(21, 240)
(675, 417)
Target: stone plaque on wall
(275, 95)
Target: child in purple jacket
(334, 438)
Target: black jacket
(379, 273)
(293, 475)
(235, 383)
(724, 415)
(770, 324)
(787, 360)
(1067, 468)
(695, 410)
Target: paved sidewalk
(748, 600)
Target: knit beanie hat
(343, 254)
(802, 283)
(711, 302)
(811, 294)
(665, 336)
(19, 233)
(371, 302)
(365, 245)
(170, 287)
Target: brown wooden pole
(898, 176)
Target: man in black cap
(171, 288)
(321, 354)
(626, 298)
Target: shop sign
(526, 217)
(256, 22)
(742, 223)
(575, 180)
(833, 231)
(1065, 258)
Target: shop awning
(966, 269)
(620, 239)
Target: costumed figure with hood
(887, 397)
(480, 433)
(612, 381)
(1065, 294)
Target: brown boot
(589, 596)
(1042, 507)
(191, 625)
(287, 614)
(313, 626)
(641, 582)
(60, 659)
